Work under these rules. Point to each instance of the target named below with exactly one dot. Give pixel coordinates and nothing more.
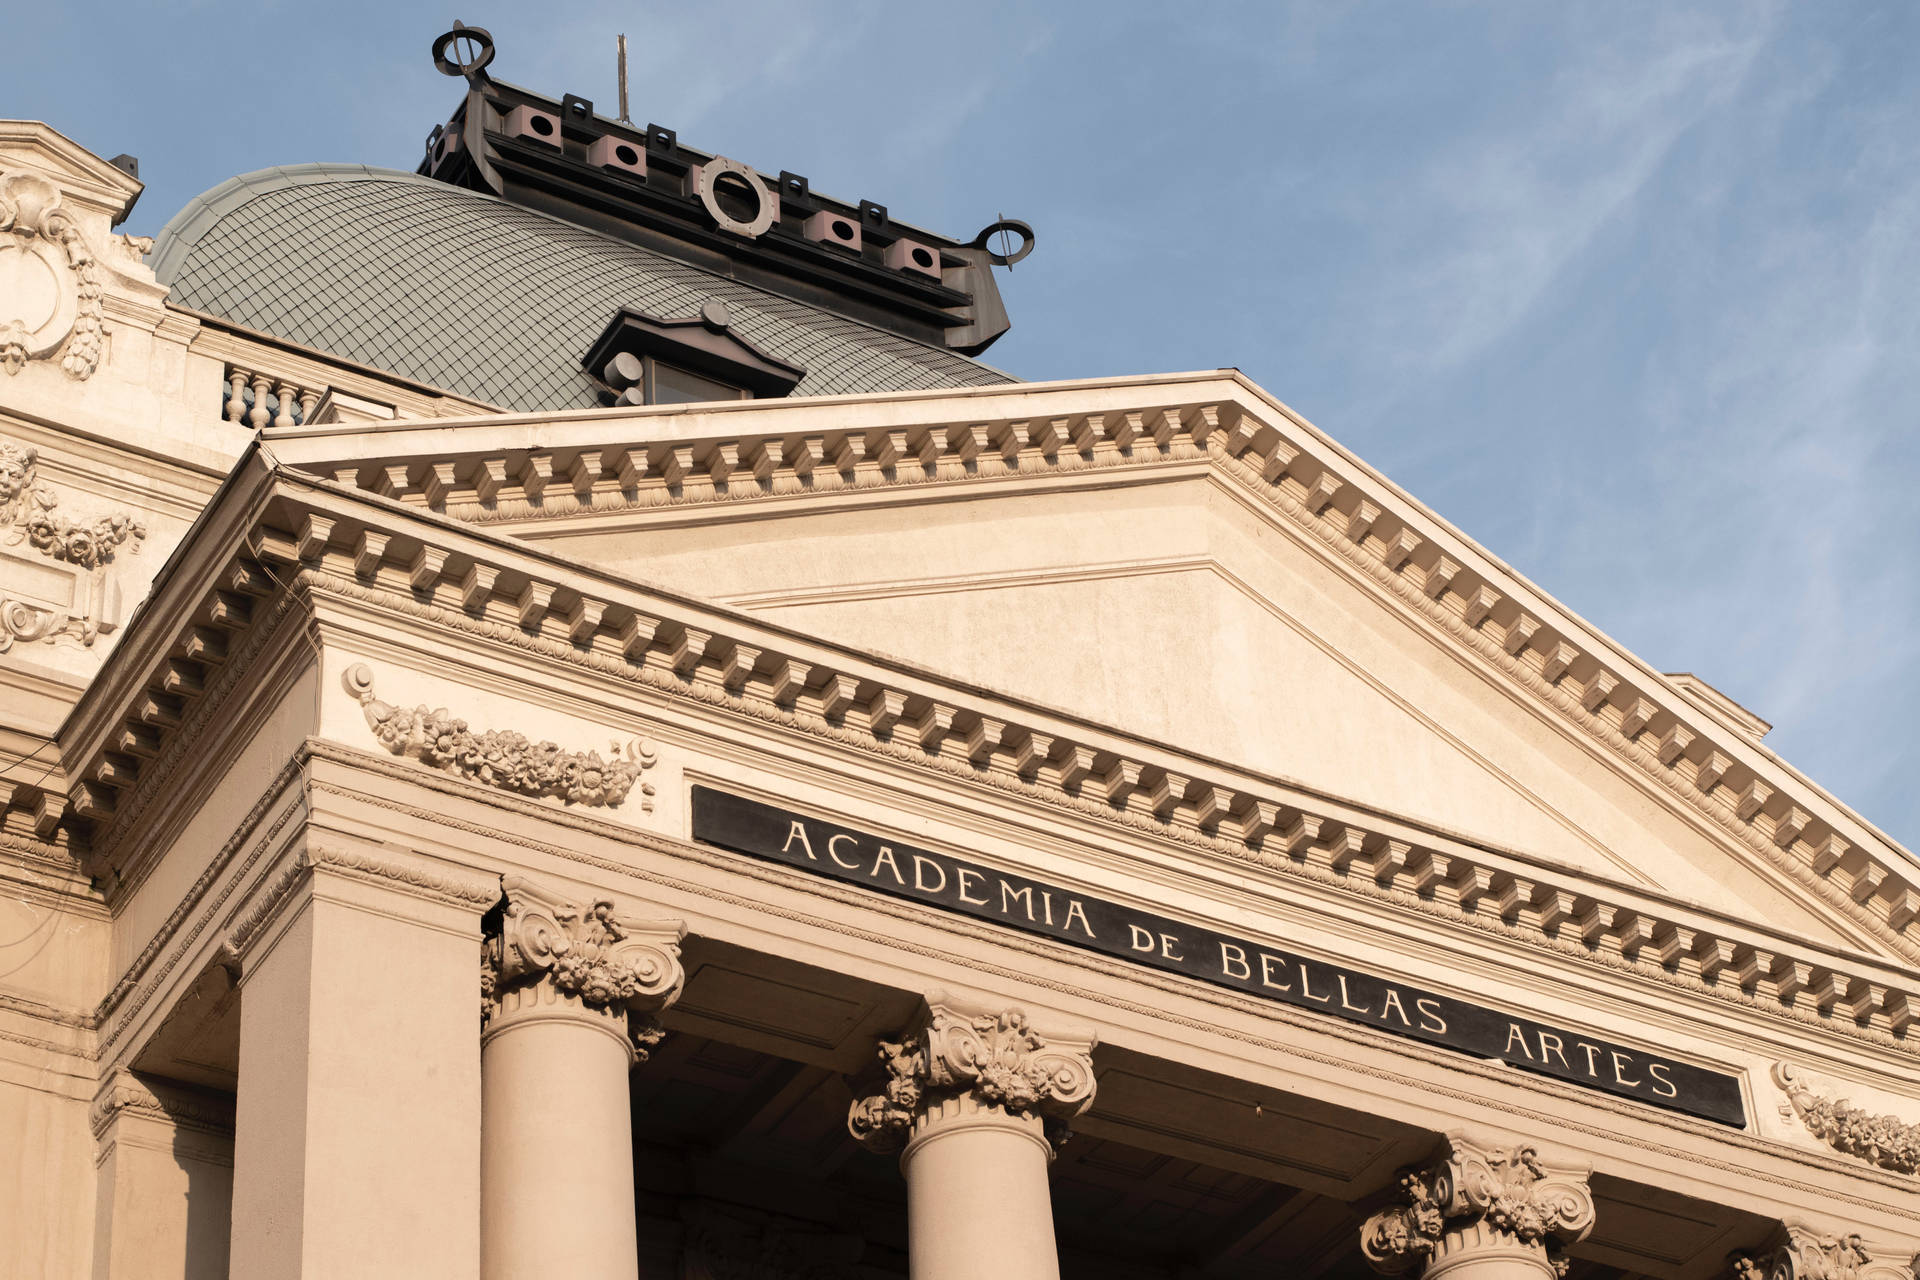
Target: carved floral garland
(504, 758)
(27, 513)
(1885, 1141)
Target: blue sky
(1629, 292)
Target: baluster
(283, 413)
(260, 415)
(236, 394)
(308, 399)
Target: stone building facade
(559, 721)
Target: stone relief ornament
(992, 1059)
(1480, 1198)
(726, 1242)
(28, 515)
(50, 282)
(1801, 1253)
(1885, 1141)
(611, 964)
(502, 757)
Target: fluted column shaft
(975, 1102)
(563, 987)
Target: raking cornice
(313, 541)
(599, 466)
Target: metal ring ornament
(769, 204)
(483, 54)
(1013, 225)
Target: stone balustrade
(256, 399)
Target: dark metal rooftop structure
(485, 297)
(644, 186)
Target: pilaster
(164, 1186)
(357, 1125)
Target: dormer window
(640, 359)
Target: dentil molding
(1478, 1199)
(502, 757)
(994, 1060)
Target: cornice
(684, 652)
(1632, 714)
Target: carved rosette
(548, 956)
(1799, 1252)
(1885, 1141)
(1479, 1200)
(962, 1060)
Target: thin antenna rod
(624, 119)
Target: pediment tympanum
(1185, 560)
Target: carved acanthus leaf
(1885, 1141)
(996, 1058)
(607, 962)
(1801, 1253)
(502, 757)
(1508, 1192)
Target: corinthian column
(1481, 1213)
(1799, 1252)
(975, 1101)
(568, 996)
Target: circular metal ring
(483, 51)
(1013, 225)
(768, 206)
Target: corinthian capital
(980, 1059)
(1799, 1252)
(1483, 1199)
(548, 954)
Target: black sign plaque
(1034, 906)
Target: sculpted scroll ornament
(1801, 1253)
(50, 282)
(1504, 1195)
(1886, 1141)
(503, 758)
(996, 1059)
(604, 962)
(27, 515)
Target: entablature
(444, 593)
(547, 475)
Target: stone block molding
(1708, 763)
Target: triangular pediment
(82, 178)
(1185, 560)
